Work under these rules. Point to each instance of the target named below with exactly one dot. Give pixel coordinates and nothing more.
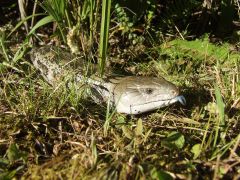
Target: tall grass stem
(105, 21)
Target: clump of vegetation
(52, 133)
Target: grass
(49, 133)
(103, 47)
(53, 133)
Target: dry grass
(48, 133)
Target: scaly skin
(128, 94)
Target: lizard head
(135, 95)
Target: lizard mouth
(169, 101)
(152, 105)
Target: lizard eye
(149, 91)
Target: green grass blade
(221, 113)
(92, 5)
(220, 106)
(94, 150)
(40, 23)
(106, 6)
(2, 45)
(109, 116)
(55, 8)
(22, 22)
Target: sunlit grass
(67, 136)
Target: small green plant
(10, 59)
(59, 11)
(125, 25)
(14, 157)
